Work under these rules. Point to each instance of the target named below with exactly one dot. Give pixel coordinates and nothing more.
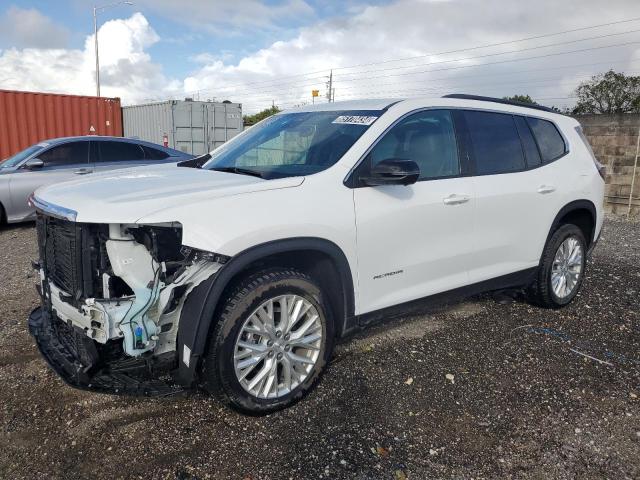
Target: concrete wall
(614, 139)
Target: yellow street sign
(315, 93)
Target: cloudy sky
(278, 51)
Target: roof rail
(464, 96)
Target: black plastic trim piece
(200, 306)
(594, 243)
(512, 280)
(570, 207)
(464, 96)
(463, 136)
(196, 162)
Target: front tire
(562, 268)
(271, 343)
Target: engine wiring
(131, 322)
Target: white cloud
(29, 28)
(407, 28)
(363, 35)
(224, 17)
(126, 70)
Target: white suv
(238, 271)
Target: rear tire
(562, 268)
(261, 360)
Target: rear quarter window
(550, 142)
(531, 151)
(153, 153)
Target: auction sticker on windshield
(355, 120)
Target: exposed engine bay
(122, 284)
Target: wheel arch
(581, 213)
(321, 258)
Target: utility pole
(95, 36)
(96, 11)
(330, 87)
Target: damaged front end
(112, 298)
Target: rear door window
(495, 142)
(111, 152)
(153, 153)
(72, 153)
(531, 151)
(549, 140)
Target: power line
(514, 84)
(340, 79)
(275, 80)
(492, 44)
(436, 90)
(597, 37)
(517, 72)
(500, 62)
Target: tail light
(602, 169)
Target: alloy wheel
(278, 346)
(567, 267)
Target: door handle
(546, 189)
(456, 199)
(83, 171)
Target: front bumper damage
(84, 364)
(112, 303)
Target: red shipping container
(30, 117)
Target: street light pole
(97, 10)
(95, 36)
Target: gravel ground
(478, 390)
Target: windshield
(20, 156)
(293, 144)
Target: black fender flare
(570, 207)
(200, 306)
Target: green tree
(521, 99)
(609, 92)
(256, 117)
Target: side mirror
(34, 164)
(393, 171)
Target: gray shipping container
(191, 126)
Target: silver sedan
(63, 159)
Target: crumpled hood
(124, 196)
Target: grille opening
(72, 256)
